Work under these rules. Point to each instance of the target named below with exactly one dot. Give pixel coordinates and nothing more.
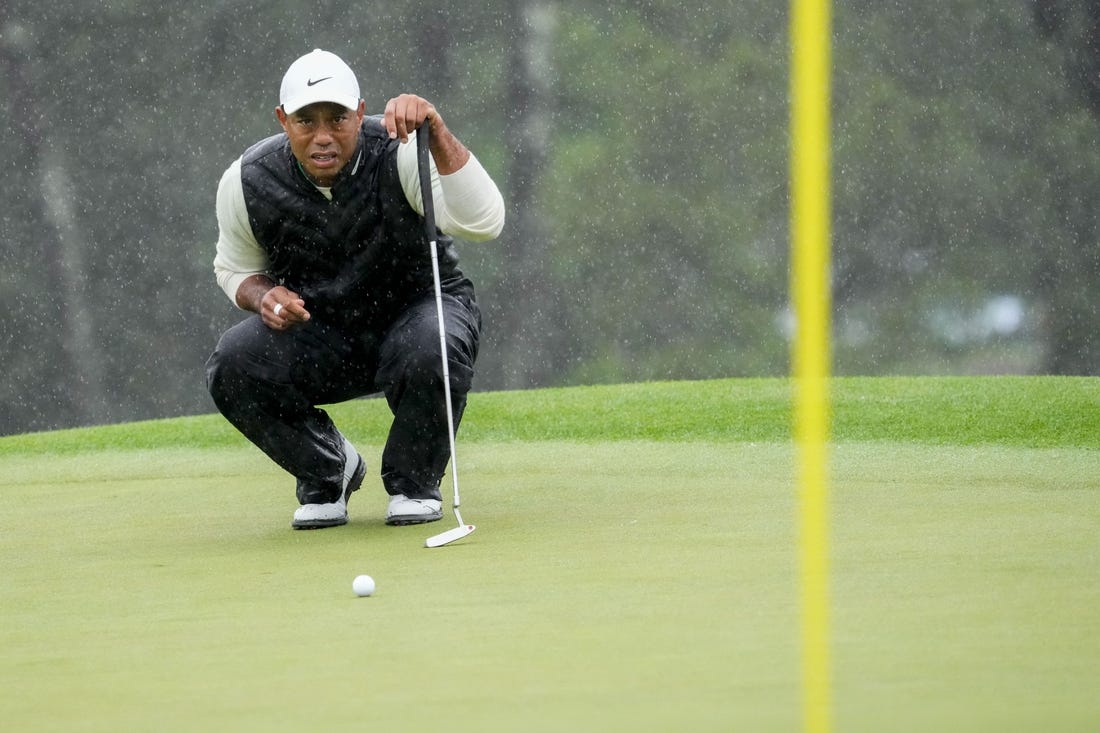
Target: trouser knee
(424, 367)
(222, 376)
(229, 374)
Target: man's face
(323, 137)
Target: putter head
(451, 535)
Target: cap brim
(296, 104)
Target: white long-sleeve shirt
(468, 204)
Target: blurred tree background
(642, 151)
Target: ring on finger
(278, 307)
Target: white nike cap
(319, 76)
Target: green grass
(1018, 411)
(634, 569)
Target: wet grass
(1020, 411)
(634, 569)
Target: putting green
(631, 585)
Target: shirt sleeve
(468, 203)
(239, 255)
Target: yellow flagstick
(810, 236)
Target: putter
(422, 157)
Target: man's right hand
(279, 307)
(282, 309)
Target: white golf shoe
(403, 510)
(317, 516)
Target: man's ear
(281, 116)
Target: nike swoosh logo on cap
(311, 82)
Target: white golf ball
(363, 585)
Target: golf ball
(363, 585)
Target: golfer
(320, 236)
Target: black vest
(361, 257)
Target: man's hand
(406, 112)
(279, 308)
(282, 309)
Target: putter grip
(423, 156)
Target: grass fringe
(1034, 412)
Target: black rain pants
(268, 384)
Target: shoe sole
(353, 485)
(402, 520)
(318, 523)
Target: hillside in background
(1033, 412)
